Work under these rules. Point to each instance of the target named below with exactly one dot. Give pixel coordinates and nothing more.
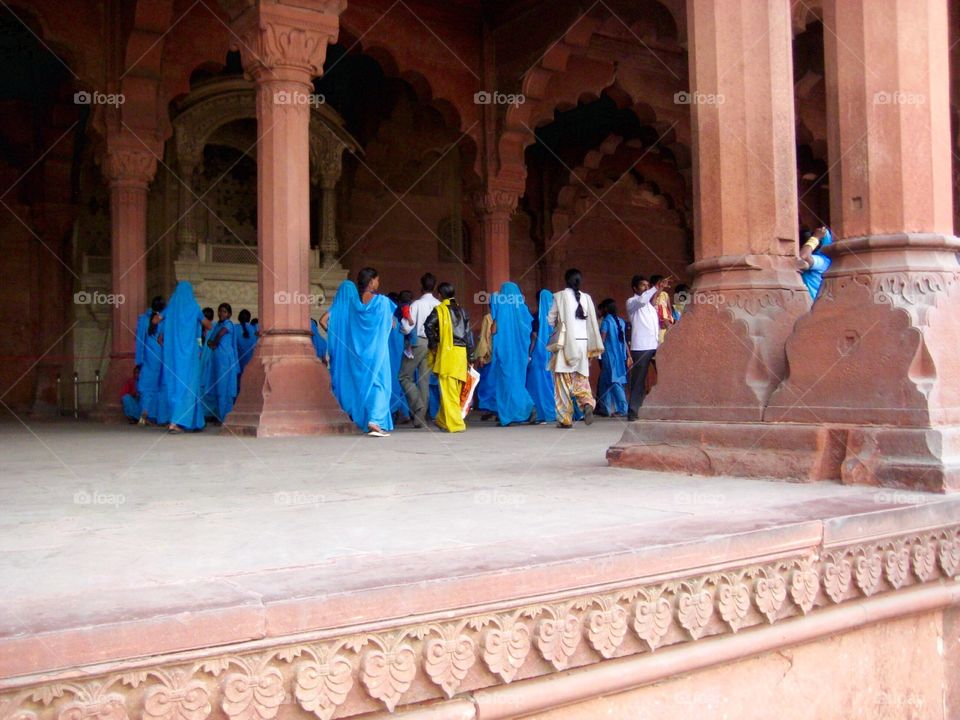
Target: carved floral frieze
(337, 677)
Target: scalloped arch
(423, 88)
(563, 77)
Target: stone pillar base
(726, 356)
(110, 408)
(886, 455)
(285, 390)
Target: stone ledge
(419, 661)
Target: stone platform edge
(536, 641)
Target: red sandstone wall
(890, 671)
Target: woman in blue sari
(513, 327)
(150, 361)
(485, 398)
(815, 263)
(398, 398)
(246, 339)
(224, 364)
(358, 338)
(539, 377)
(611, 396)
(181, 329)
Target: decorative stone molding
(355, 673)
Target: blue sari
(181, 358)
(820, 263)
(224, 370)
(143, 325)
(151, 374)
(245, 345)
(486, 395)
(511, 345)
(613, 366)
(398, 399)
(539, 377)
(358, 340)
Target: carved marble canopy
(218, 102)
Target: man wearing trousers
(644, 338)
(417, 361)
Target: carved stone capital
(491, 202)
(283, 42)
(129, 166)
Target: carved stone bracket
(357, 673)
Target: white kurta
(579, 331)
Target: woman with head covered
(180, 330)
(511, 353)
(358, 341)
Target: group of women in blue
(516, 385)
(190, 366)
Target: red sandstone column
(495, 208)
(285, 389)
(726, 357)
(877, 358)
(129, 167)
(719, 366)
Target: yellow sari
(449, 364)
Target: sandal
(374, 430)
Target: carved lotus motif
(733, 601)
(505, 649)
(770, 593)
(558, 639)
(803, 588)
(837, 577)
(651, 620)
(323, 687)
(949, 556)
(448, 660)
(388, 674)
(190, 701)
(897, 564)
(694, 610)
(869, 572)
(253, 697)
(606, 629)
(109, 707)
(924, 560)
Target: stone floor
(125, 526)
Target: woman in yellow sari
(452, 352)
